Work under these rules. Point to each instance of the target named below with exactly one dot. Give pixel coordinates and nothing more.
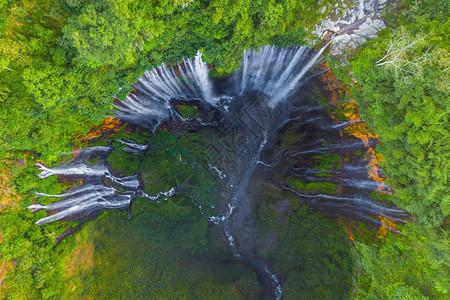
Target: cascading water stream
(252, 110)
(100, 189)
(150, 104)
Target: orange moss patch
(9, 199)
(358, 128)
(109, 126)
(349, 232)
(331, 85)
(335, 88)
(375, 172)
(362, 131)
(70, 180)
(351, 227)
(356, 230)
(5, 266)
(386, 226)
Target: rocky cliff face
(353, 24)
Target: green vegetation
(406, 267)
(60, 64)
(313, 187)
(327, 161)
(402, 91)
(315, 257)
(311, 252)
(162, 253)
(62, 61)
(127, 163)
(188, 111)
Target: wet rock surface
(352, 24)
(267, 145)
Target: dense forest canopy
(401, 84)
(64, 60)
(403, 93)
(61, 63)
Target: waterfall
(252, 110)
(275, 72)
(99, 191)
(150, 104)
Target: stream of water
(251, 108)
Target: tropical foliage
(401, 83)
(402, 90)
(62, 61)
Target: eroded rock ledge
(353, 24)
